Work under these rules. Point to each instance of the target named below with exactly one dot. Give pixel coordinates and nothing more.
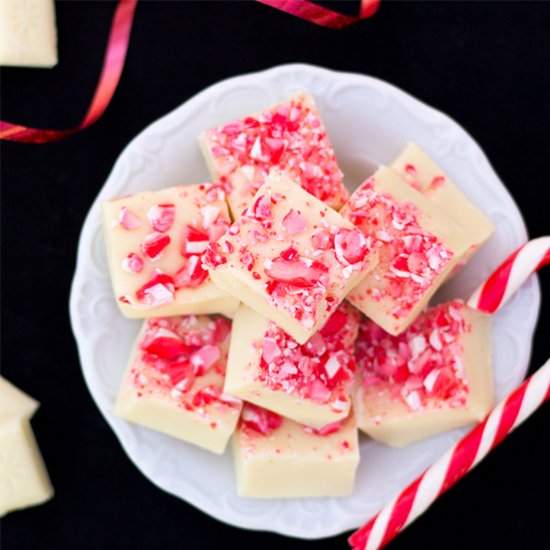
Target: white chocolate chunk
(23, 477)
(174, 395)
(293, 461)
(290, 257)
(406, 408)
(154, 246)
(28, 36)
(289, 136)
(14, 402)
(268, 368)
(418, 247)
(421, 172)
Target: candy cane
(474, 446)
(511, 274)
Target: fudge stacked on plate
(327, 295)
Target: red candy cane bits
(259, 420)
(423, 174)
(425, 361)
(290, 137)
(175, 380)
(321, 370)
(417, 244)
(155, 241)
(309, 383)
(290, 257)
(434, 376)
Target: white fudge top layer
(155, 241)
(289, 136)
(294, 251)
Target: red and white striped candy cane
(474, 446)
(511, 274)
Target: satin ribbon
(115, 55)
(319, 15)
(117, 47)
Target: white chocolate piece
(173, 395)
(422, 173)
(401, 413)
(28, 36)
(23, 477)
(176, 218)
(293, 461)
(268, 368)
(290, 137)
(418, 248)
(290, 257)
(14, 402)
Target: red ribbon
(113, 64)
(319, 15)
(117, 47)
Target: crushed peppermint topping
(128, 219)
(153, 245)
(308, 278)
(259, 420)
(412, 176)
(175, 352)
(191, 275)
(322, 369)
(328, 429)
(161, 217)
(351, 246)
(167, 252)
(411, 258)
(159, 290)
(194, 241)
(132, 263)
(423, 362)
(296, 271)
(290, 137)
(294, 222)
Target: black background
(485, 64)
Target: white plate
(368, 121)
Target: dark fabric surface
(485, 64)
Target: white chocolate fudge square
(418, 246)
(434, 377)
(289, 136)
(14, 402)
(154, 244)
(28, 36)
(422, 173)
(290, 257)
(23, 478)
(278, 458)
(174, 381)
(309, 383)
